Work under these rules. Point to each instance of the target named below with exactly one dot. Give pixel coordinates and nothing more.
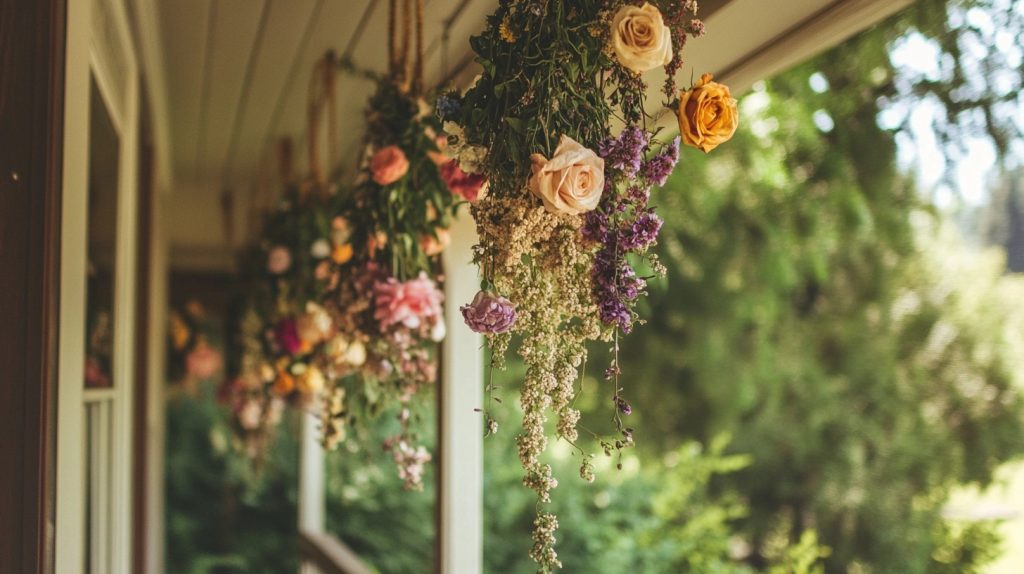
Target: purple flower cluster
(615, 286)
(623, 223)
(625, 152)
(489, 313)
(622, 404)
(659, 167)
(642, 233)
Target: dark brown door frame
(32, 40)
(140, 468)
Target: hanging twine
(321, 95)
(405, 73)
(330, 101)
(417, 72)
(392, 49)
(285, 160)
(313, 130)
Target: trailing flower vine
(385, 295)
(566, 225)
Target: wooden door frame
(32, 51)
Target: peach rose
(571, 181)
(707, 114)
(640, 39)
(389, 165)
(435, 245)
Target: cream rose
(571, 181)
(707, 114)
(640, 38)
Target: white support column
(311, 478)
(460, 440)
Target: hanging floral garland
(566, 227)
(386, 294)
(192, 357)
(284, 333)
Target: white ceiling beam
(825, 29)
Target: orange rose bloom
(341, 254)
(707, 115)
(284, 384)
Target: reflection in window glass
(102, 224)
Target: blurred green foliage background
(826, 362)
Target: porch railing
(322, 553)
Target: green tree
(804, 315)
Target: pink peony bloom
(286, 333)
(279, 260)
(465, 185)
(389, 165)
(203, 361)
(412, 304)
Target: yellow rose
(314, 325)
(640, 39)
(180, 333)
(707, 114)
(310, 381)
(571, 181)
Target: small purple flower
(622, 404)
(625, 152)
(642, 233)
(489, 313)
(638, 194)
(448, 107)
(595, 226)
(659, 167)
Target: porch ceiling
(237, 71)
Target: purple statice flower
(638, 194)
(625, 152)
(489, 313)
(642, 233)
(658, 168)
(595, 226)
(615, 285)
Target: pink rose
(388, 165)
(279, 260)
(571, 182)
(412, 304)
(465, 185)
(203, 361)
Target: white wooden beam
(311, 477)
(460, 440)
(824, 29)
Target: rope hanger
(322, 95)
(408, 76)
